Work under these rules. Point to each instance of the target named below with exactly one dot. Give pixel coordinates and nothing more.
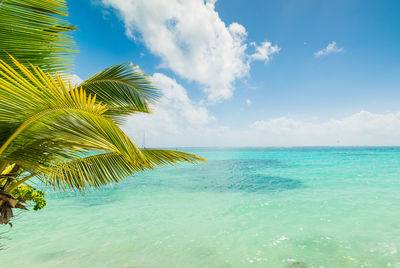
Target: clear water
(299, 207)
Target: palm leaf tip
(125, 88)
(160, 157)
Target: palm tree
(66, 136)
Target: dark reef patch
(264, 183)
(233, 175)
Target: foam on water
(300, 207)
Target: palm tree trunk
(7, 202)
(10, 176)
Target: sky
(252, 72)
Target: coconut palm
(66, 136)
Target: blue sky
(248, 73)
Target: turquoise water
(296, 207)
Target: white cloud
(248, 102)
(330, 48)
(175, 98)
(193, 41)
(264, 52)
(363, 128)
(74, 79)
(360, 129)
(173, 114)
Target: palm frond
(46, 122)
(125, 89)
(36, 31)
(96, 171)
(159, 157)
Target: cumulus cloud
(330, 48)
(175, 99)
(193, 41)
(360, 129)
(173, 113)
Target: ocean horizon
(245, 207)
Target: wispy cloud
(264, 51)
(330, 48)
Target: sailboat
(144, 140)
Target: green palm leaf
(66, 134)
(125, 89)
(99, 170)
(35, 31)
(60, 121)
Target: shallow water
(296, 207)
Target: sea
(245, 207)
